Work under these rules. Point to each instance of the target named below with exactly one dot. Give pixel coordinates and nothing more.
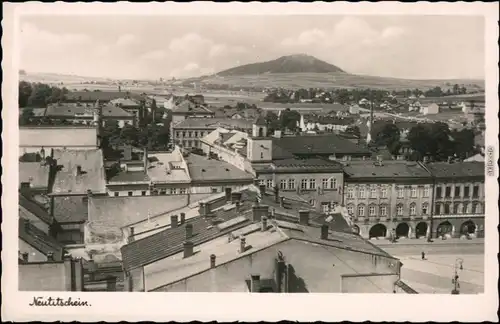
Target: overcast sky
(181, 46)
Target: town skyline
(191, 46)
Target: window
(383, 210)
(413, 192)
(456, 208)
(350, 193)
(466, 191)
(361, 211)
(116, 193)
(438, 208)
(312, 202)
(477, 208)
(173, 191)
(324, 183)
(183, 134)
(143, 193)
(214, 190)
(439, 193)
(195, 134)
(130, 193)
(425, 208)
(291, 184)
(447, 208)
(373, 192)
(457, 191)
(464, 208)
(413, 209)
(372, 211)
(190, 134)
(447, 192)
(468, 208)
(163, 192)
(475, 191)
(177, 134)
(269, 183)
(426, 191)
(262, 182)
(303, 184)
(183, 191)
(325, 207)
(399, 210)
(362, 192)
(312, 183)
(383, 192)
(188, 144)
(333, 183)
(283, 184)
(350, 209)
(401, 192)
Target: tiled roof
(169, 241)
(35, 173)
(187, 106)
(92, 165)
(37, 112)
(125, 102)
(214, 123)
(63, 136)
(130, 176)
(202, 169)
(260, 121)
(117, 212)
(317, 144)
(85, 110)
(456, 169)
(328, 120)
(388, 169)
(316, 164)
(70, 209)
(98, 95)
(31, 208)
(39, 240)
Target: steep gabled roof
(39, 240)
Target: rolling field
(333, 80)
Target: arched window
(361, 210)
(413, 209)
(372, 211)
(399, 210)
(477, 208)
(457, 208)
(383, 210)
(466, 208)
(261, 132)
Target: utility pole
(456, 285)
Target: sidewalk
(405, 242)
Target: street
(434, 274)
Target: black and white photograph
(332, 153)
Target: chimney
(228, 194)
(68, 272)
(276, 194)
(25, 256)
(259, 211)
(304, 217)
(324, 232)
(42, 153)
(238, 205)
(78, 170)
(203, 209)
(242, 244)
(426, 159)
(173, 221)
(189, 231)
(50, 256)
(188, 249)
(131, 235)
(89, 193)
(145, 159)
(277, 133)
(183, 218)
(282, 202)
(255, 284)
(212, 260)
(262, 190)
(264, 224)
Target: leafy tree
(25, 90)
(289, 119)
(26, 116)
(432, 140)
(273, 122)
(388, 135)
(354, 130)
(463, 143)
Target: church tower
(98, 121)
(260, 145)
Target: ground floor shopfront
(447, 226)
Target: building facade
(388, 199)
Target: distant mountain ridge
(297, 63)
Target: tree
(289, 119)
(456, 89)
(463, 143)
(389, 136)
(419, 138)
(25, 90)
(353, 130)
(432, 140)
(26, 116)
(343, 96)
(273, 122)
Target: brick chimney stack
(183, 218)
(173, 221)
(188, 249)
(212, 260)
(189, 231)
(242, 244)
(264, 224)
(304, 217)
(324, 232)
